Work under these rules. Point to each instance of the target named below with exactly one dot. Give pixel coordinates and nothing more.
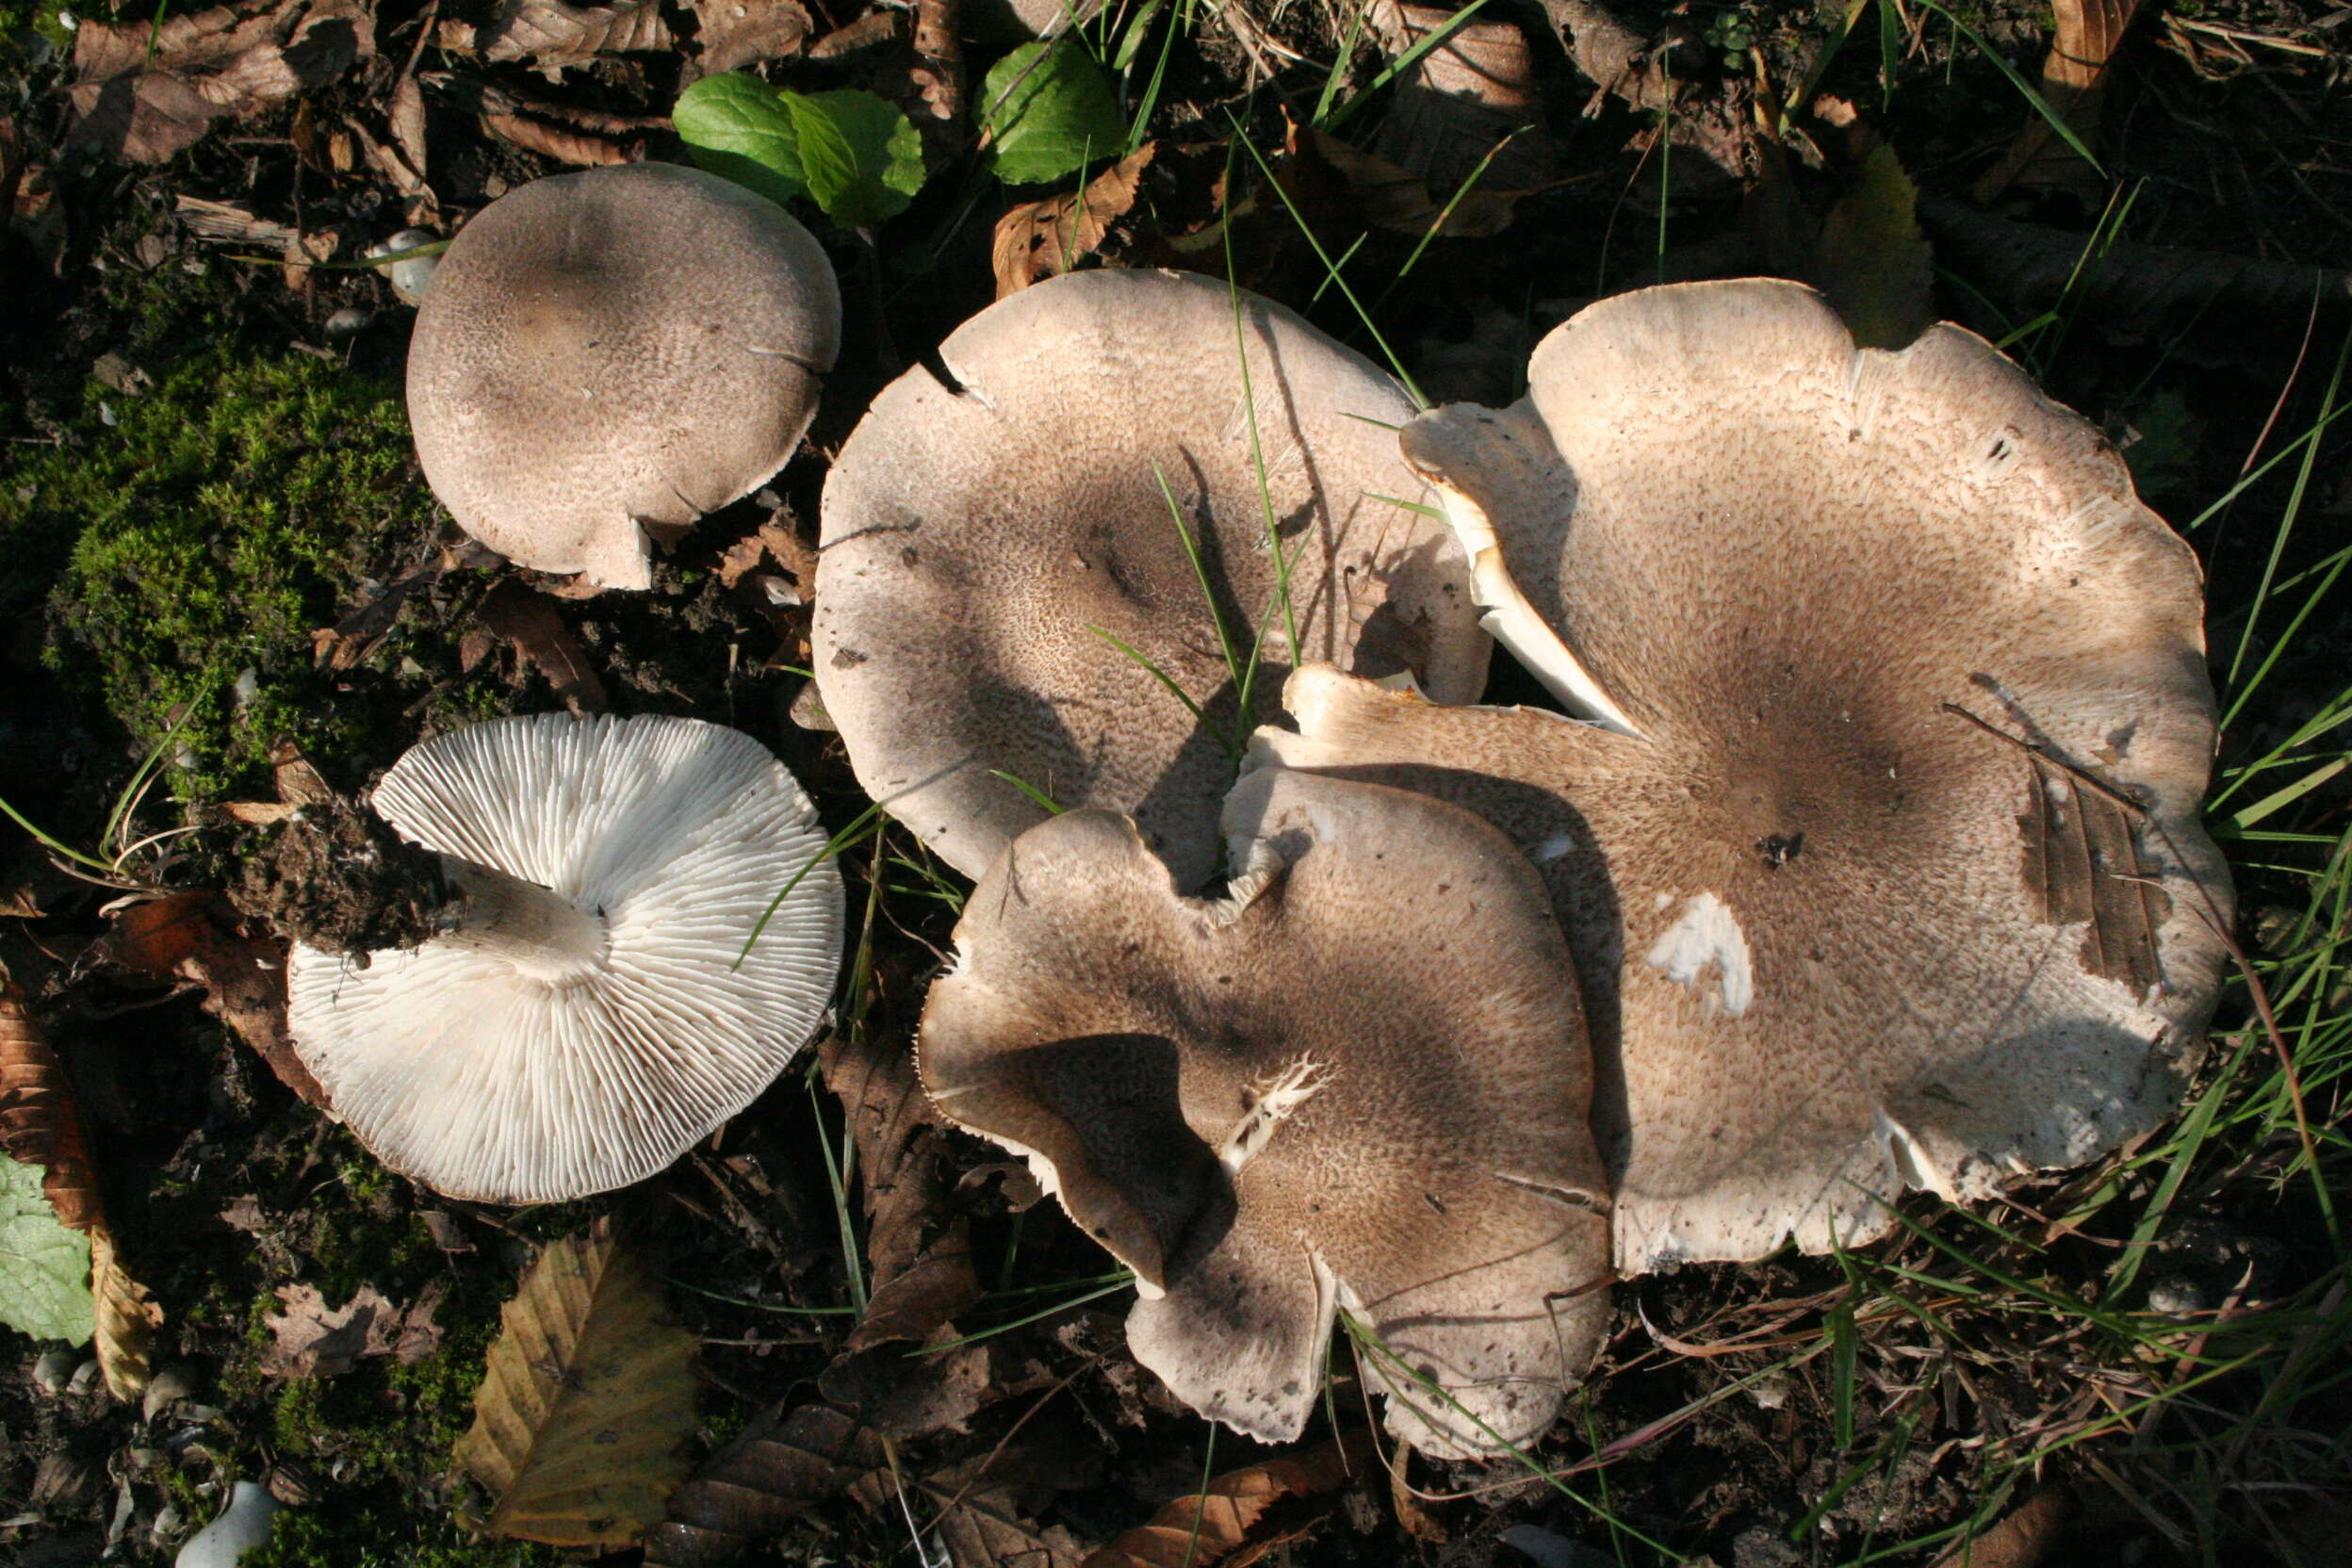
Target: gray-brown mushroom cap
(609, 351)
(1881, 861)
(1360, 1083)
(986, 539)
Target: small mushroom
(242, 1527)
(1092, 499)
(1880, 853)
(599, 1004)
(1358, 1082)
(614, 351)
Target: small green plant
(858, 157)
(1047, 110)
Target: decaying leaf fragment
(41, 1125)
(586, 1400)
(143, 92)
(1037, 240)
(552, 35)
(2088, 34)
(784, 1463)
(1212, 1524)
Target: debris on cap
(587, 1019)
(1880, 854)
(1357, 1084)
(1009, 569)
(613, 352)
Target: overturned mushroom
(1881, 854)
(1358, 1082)
(1013, 559)
(587, 1018)
(614, 351)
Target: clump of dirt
(337, 877)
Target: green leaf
(861, 156)
(736, 127)
(854, 155)
(44, 1267)
(1047, 109)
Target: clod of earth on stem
(1880, 855)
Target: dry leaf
(244, 982)
(918, 1258)
(586, 1400)
(40, 1124)
(227, 223)
(2082, 865)
(1390, 197)
(528, 621)
(904, 1397)
(2021, 1540)
(145, 91)
(1872, 261)
(552, 35)
(1473, 95)
(784, 1463)
(574, 149)
(309, 1339)
(1201, 1529)
(1039, 240)
(985, 1508)
(737, 33)
(2087, 35)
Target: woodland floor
(208, 510)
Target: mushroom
(1880, 853)
(613, 352)
(1357, 1083)
(1014, 556)
(599, 1004)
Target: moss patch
(229, 512)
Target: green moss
(386, 1537)
(231, 512)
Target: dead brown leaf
(541, 640)
(1399, 201)
(2088, 34)
(574, 149)
(784, 1463)
(40, 1121)
(986, 1508)
(552, 35)
(310, 1339)
(905, 1397)
(40, 1124)
(2023, 1537)
(244, 982)
(918, 1256)
(1037, 240)
(1472, 101)
(145, 92)
(737, 33)
(1218, 1522)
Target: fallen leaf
(528, 621)
(783, 1464)
(1037, 240)
(904, 1397)
(1393, 199)
(586, 1400)
(39, 1122)
(575, 149)
(145, 90)
(2023, 1537)
(737, 33)
(420, 1332)
(244, 982)
(1470, 106)
(2088, 32)
(309, 1339)
(1871, 260)
(227, 223)
(43, 1264)
(918, 1256)
(2082, 865)
(41, 1125)
(1217, 1521)
(984, 1509)
(552, 35)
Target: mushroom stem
(1511, 620)
(541, 933)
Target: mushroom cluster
(1865, 858)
